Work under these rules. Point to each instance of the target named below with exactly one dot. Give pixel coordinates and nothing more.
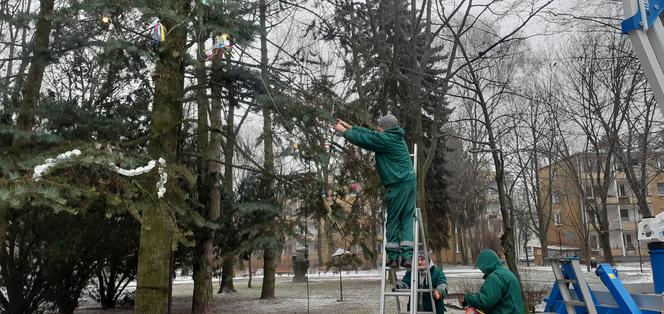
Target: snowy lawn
(361, 291)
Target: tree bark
(30, 91)
(319, 241)
(40, 59)
(201, 286)
(203, 291)
(156, 240)
(251, 272)
(269, 253)
(228, 204)
(604, 234)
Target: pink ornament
(355, 186)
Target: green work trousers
(400, 199)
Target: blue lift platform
(572, 294)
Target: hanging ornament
(323, 194)
(223, 45)
(158, 33)
(355, 187)
(105, 19)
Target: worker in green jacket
(397, 175)
(501, 291)
(439, 286)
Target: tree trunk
(319, 241)
(462, 247)
(30, 92)
(604, 238)
(156, 239)
(267, 291)
(202, 295)
(227, 285)
(525, 249)
(40, 58)
(544, 245)
(329, 236)
(229, 211)
(251, 272)
(269, 253)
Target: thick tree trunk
(228, 204)
(269, 253)
(604, 239)
(30, 91)
(227, 272)
(202, 296)
(267, 291)
(156, 240)
(40, 59)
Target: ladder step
(408, 290)
(397, 294)
(572, 281)
(575, 303)
(396, 269)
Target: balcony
(629, 226)
(614, 225)
(626, 200)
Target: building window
(555, 197)
(629, 245)
(624, 214)
(660, 189)
(557, 219)
(622, 191)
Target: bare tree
(603, 81)
(534, 146)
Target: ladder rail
(562, 286)
(582, 286)
(384, 253)
(414, 292)
(427, 258)
(568, 271)
(414, 270)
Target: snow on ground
(361, 290)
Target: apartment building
(575, 196)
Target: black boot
(405, 263)
(393, 263)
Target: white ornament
(42, 169)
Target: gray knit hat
(388, 121)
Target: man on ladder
(397, 175)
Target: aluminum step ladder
(568, 271)
(414, 293)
